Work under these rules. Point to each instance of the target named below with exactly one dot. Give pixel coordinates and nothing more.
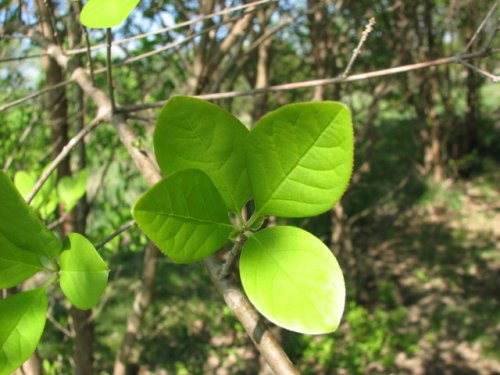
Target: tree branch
(323, 82)
(232, 293)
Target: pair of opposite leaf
(296, 162)
(27, 247)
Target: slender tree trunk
(128, 355)
(56, 101)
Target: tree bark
(56, 102)
(128, 356)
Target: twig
(232, 255)
(59, 158)
(117, 232)
(89, 55)
(34, 95)
(19, 58)
(173, 27)
(20, 141)
(493, 77)
(357, 51)
(481, 26)
(322, 82)
(109, 39)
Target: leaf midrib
(185, 218)
(271, 195)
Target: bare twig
(20, 141)
(89, 55)
(232, 255)
(123, 228)
(368, 29)
(173, 27)
(59, 158)
(493, 77)
(322, 82)
(109, 39)
(19, 58)
(34, 95)
(481, 26)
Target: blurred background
(417, 234)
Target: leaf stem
(233, 254)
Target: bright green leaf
(45, 201)
(106, 13)
(293, 279)
(184, 215)
(72, 188)
(22, 320)
(83, 272)
(300, 159)
(25, 243)
(192, 133)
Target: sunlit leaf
(45, 201)
(106, 13)
(192, 133)
(184, 215)
(293, 279)
(22, 320)
(84, 274)
(25, 243)
(72, 188)
(300, 159)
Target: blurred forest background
(417, 234)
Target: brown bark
(56, 101)
(262, 73)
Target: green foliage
(192, 133)
(293, 279)
(26, 247)
(298, 161)
(22, 319)
(71, 189)
(185, 216)
(45, 202)
(25, 244)
(83, 272)
(106, 13)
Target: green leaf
(84, 274)
(192, 133)
(184, 215)
(106, 13)
(293, 279)
(22, 320)
(300, 159)
(45, 202)
(71, 189)
(25, 243)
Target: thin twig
(481, 26)
(357, 51)
(225, 270)
(117, 232)
(34, 95)
(19, 58)
(20, 141)
(59, 158)
(173, 27)
(109, 39)
(493, 77)
(322, 82)
(89, 55)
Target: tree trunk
(128, 355)
(56, 102)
